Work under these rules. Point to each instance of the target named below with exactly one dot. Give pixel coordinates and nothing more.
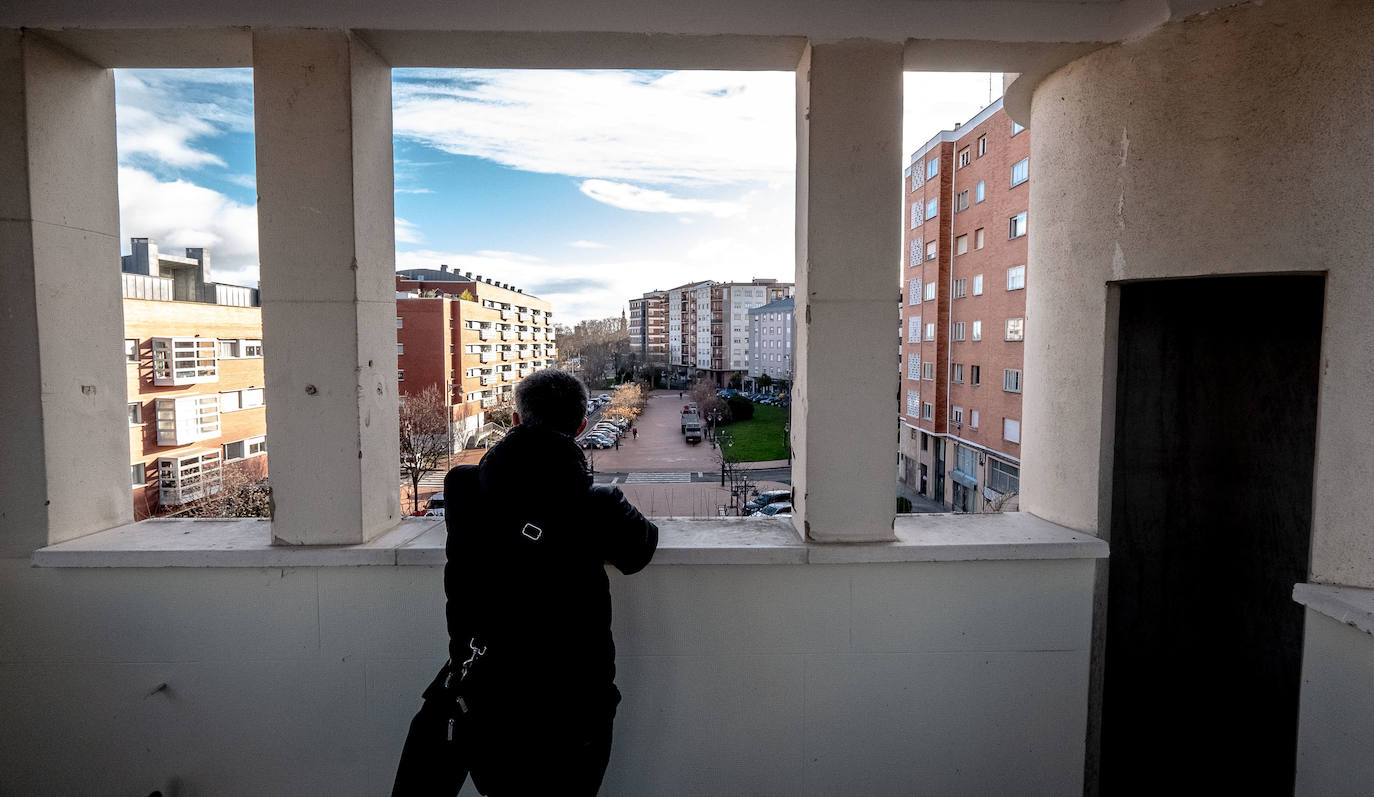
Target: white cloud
(407, 232)
(586, 245)
(166, 116)
(164, 139)
(648, 200)
(181, 214)
(413, 191)
(684, 128)
(936, 101)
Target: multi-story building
(963, 313)
(193, 354)
(471, 337)
(708, 326)
(649, 327)
(770, 341)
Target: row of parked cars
(604, 433)
(772, 399)
(597, 402)
(770, 503)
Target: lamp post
(725, 442)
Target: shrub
(903, 505)
(741, 408)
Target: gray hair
(551, 399)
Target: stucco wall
(1235, 142)
(933, 678)
(1336, 716)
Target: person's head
(551, 399)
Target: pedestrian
(634, 432)
(527, 699)
(617, 441)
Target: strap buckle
(532, 532)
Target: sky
(585, 188)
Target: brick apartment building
(473, 337)
(193, 354)
(708, 326)
(963, 313)
(649, 327)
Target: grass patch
(760, 438)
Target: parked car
(765, 498)
(595, 441)
(780, 509)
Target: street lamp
(725, 442)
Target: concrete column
(849, 166)
(326, 237)
(65, 471)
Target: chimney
(443, 267)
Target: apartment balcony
(487, 334)
(508, 376)
(524, 372)
(525, 317)
(526, 336)
(509, 334)
(489, 379)
(509, 355)
(490, 401)
(508, 315)
(490, 356)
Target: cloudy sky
(585, 188)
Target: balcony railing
(487, 334)
(490, 356)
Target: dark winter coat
(529, 536)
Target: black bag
(437, 750)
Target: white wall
(934, 678)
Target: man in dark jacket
(531, 659)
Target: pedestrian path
(658, 478)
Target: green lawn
(761, 437)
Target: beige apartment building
(194, 374)
(963, 313)
(473, 337)
(707, 326)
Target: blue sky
(583, 187)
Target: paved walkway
(660, 446)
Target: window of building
(251, 397)
(256, 446)
(1011, 380)
(1016, 225)
(1016, 278)
(961, 201)
(957, 416)
(963, 157)
(183, 479)
(1016, 127)
(982, 146)
(400, 322)
(913, 403)
(234, 450)
(928, 371)
(930, 331)
(917, 175)
(925, 441)
(960, 288)
(978, 238)
(973, 419)
(913, 366)
(961, 245)
(977, 330)
(932, 169)
(915, 214)
(958, 330)
(980, 192)
(400, 375)
(978, 282)
(400, 348)
(1011, 430)
(228, 347)
(913, 329)
(914, 253)
(135, 413)
(1020, 172)
(137, 475)
(914, 291)
(927, 411)
(229, 401)
(130, 350)
(184, 361)
(931, 250)
(1016, 329)
(932, 208)
(930, 291)
(974, 377)
(1002, 477)
(958, 375)
(188, 419)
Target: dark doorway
(1216, 414)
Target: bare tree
(242, 492)
(424, 436)
(627, 402)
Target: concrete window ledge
(1348, 605)
(683, 541)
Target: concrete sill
(682, 541)
(1348, 605)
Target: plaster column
(65, 472)
(849, 166)
(326, 237)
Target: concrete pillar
(326, 238)
(65, 472)
(849, 166)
